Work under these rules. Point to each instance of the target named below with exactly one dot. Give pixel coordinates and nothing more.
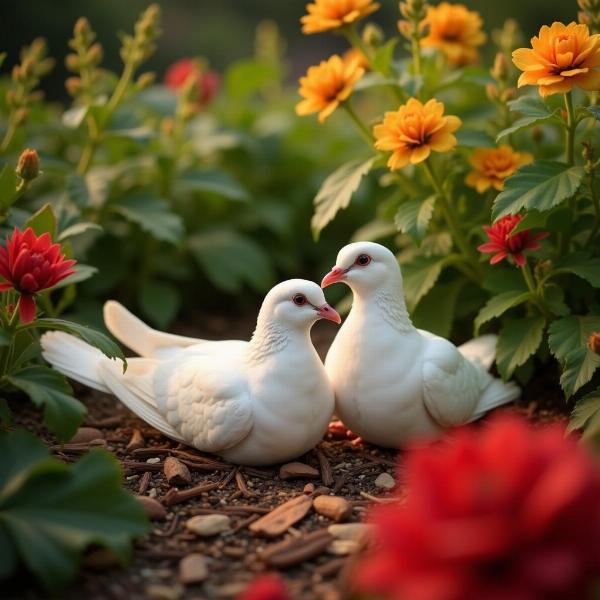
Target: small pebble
(153, 461)
(343, 547)
(385, 482)
(85, 435)
(350, 531)
(333, 507)
(208, 525)
(297, 470)
(154, 509)
(193, 569)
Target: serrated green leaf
(152, 215)
(63, 414)
(539, 186)
(336, 192)
(420, 275)
(413, 216)
(532, 219)
(518, 340)
(586, 415)
(231, 259)
(578, 368)
(8, 187)
(581, 264)
(530, 106)
(160, 301)
(43, 221)
(50, 512)
(498, 305)
(436, 310)
(554, 298)
(214, 182)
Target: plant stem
(452, 221)
(416, 56)
(570, 131)
(362, 128)
(528, 276)
(8, 136)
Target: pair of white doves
(270, 399)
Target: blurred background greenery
(222, 31)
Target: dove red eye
(362, 260)
(299, 300)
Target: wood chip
(325, 466)
(294, 551)
(309, 488)
(136, 441)
(85, 435)
(144, 483)
(350, 531)
(176, 472)
(193, 569)
(154, 509)
(281, 518)
(208, 525)
(343, 547)
(297, 470)
(174, 496)
(333, 507)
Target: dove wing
(451, 384)
(206, 399)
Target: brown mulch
(245, 494)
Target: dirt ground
(343, 467)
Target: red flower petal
(26, 309)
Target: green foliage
(414, 215)
(50, 512)
(498, 305)
(535, 112)
(586, 415)
(518, 340)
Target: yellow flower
(327, 85)
(491, 166)
(562, 56)
(324, 15)
(455, 30)
(414, 130)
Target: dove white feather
(259, 402)
(395, 384)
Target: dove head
(365, 267)
(297, 304)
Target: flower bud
(72, 62)
(593, 342)
(491, 89)
(145, 80)
(28, 167)
(508, 94)
(372, 35)
(73, 86)
(405, 28)
(500, 69)
(94, 54)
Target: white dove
(395, 384)
(258, 402)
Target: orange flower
(327, 85)
(455, 30)
(356, 55)
(414, 130)
(324, 15)
(561, 56)
(491, 166)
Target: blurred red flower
(503, 512)
(208, 81)
(30, 264)
(266, 587)
(506, 244)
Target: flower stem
(362, 128)
(416, 56)
(528, 276)
(570, 131)
(8, 136)
(452, 221)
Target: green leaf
(518, 340)
(43, 221)
(436, 311)
(6, 415)
(152, 215)
(554, 298)
(373, 80)
(382, 59)
(474, 138)
(593, 111)
(160, 302)
(248, 76)
(77, 229)
(539, 186)
(420, 275)
(45, 387)
(50, 512)
(77, 190)
(214, 182)
(336, 192)
(532, 219)
(581, 264)
(414, 215)
(231, 259)
(567, 338)
(534, 111)
(73, 117)
(82, 273)
(87, 334)
(8, 187)
(498, 305)
(586, 415)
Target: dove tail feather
(496, 394)
(74, 358)
(141, 338)
(134, 390)
(481, 350)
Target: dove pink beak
(334, 276)
(326, 312)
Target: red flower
(502, 512)
(30, 264)
(506, 244)
(179, 72)
(266, 587)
